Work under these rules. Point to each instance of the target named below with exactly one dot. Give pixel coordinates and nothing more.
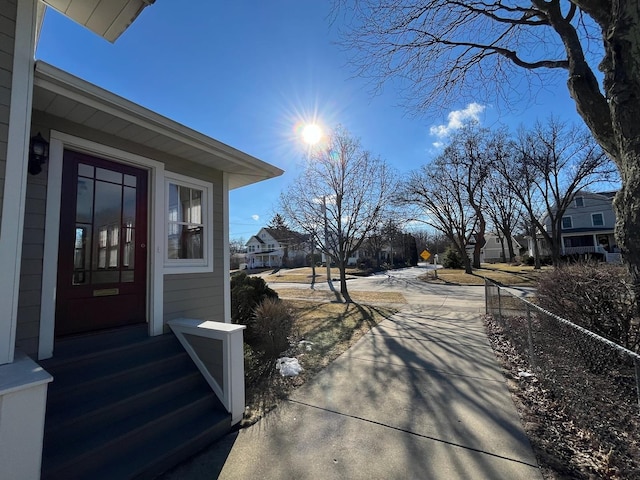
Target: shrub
(246, 294)
(595, 296)
(271, 327)
(452, 259)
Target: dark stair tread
(191, 439)
(146, 459)
(121, 371)
(74, 359)
(125, 405)
(91, 344)
(89, 403)
(133, 411)
(89, 442)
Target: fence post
(486, 296)
(532, 355)
(637, 364)
(500, 306)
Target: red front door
(102, 255)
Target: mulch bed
(564, 449)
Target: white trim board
(58, 142)
(15, 180)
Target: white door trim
(58, 142)
(15, 175)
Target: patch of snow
(288, 367)
(523, 374)
(306, 344)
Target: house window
(497, 239)
(597, 219)
(579, 202)
(189, 224)
(566, 222)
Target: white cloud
(456, 120)
(255, 217)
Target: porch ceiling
(107, 18)
(62, 95)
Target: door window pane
(107, 221)
(85, 170)
(84, 200)
(108, 175)
(81, 255)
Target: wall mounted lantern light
(38, 153)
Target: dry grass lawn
(506, 274)
(302, 275)
(321, 332)
(327, 296)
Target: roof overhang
(65, 96)
(107, 18)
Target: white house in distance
(587, 227)
(113, 234)
(274, 248)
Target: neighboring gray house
(274, 248)
(116, 236)
(492, 250)
(587, 227)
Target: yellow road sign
(425, 255)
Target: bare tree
(342, 193)
(503, 207)
(433, 195)
(444, 49)
(554, 161)
(505, 212)
(471, 152)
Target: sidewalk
(421, 396)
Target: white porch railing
(217, 350)
(584, 250)
(609, 257)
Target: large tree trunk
(621, 68)
(627, 208)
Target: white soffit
(65, 96)
(107, 18)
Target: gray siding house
(115, 242)
(587, 227)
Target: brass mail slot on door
(106, 292)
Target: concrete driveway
(421, 396)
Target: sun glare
(311, 134)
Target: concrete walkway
(421, 396)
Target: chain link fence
(596, 381)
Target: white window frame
(570, 221)
(190, 265)
(594, 223)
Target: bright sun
(311, 134)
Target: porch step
(126, 406)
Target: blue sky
(248, 73)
